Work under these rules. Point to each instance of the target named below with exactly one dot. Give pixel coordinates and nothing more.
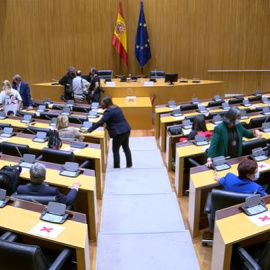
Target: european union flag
(142, 46)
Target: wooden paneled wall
(39, 39)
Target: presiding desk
(74, 235)
(86, 198)
(138, 112)
(201, 182)
(92, 152)
(233, 227)
(163, 91)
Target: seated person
(199, 128)
(10, 98)
(244, 182)
(65, 131)
(38, 188)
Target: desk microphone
(79, 120)
(18, 150)
(31, 131)
(48, 117)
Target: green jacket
(219, 141)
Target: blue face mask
(236, 122)
(256, 176)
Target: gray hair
(17, 78)
(71, 69)
(37, 173)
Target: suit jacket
(219, 141)
(116, 123)
(25, 94)
(46, 190)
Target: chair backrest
(19, 256)
(258, 98)
(77, 119)
(222, 199)
(48, 115)
(81, 108)
(37, 129)
(191, 117)
(36, 199)
(155, 74)
(188, 107)
(256, 122)
(14, 149)
(3, 125)
(249, 145)
(215, 103)
(264, 260)
(212, 114)
(57, 156)
(105, 74)
(236, 100)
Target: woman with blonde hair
(65, 131)
(10, 98)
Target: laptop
(86, 125)
(3, 115)
(217, 98)
(258, 154)
(7, 132)
(70, 103)
(195, 101)
(41, 108)
(217, 119)
(225, 106)
(41, 137)
(176, 113)
(27, 160)
(219, 164)
(266, 111)
(187, 124)
(70, 169)
(53, 122)
(265, 100)
(200, 140)
(171, 104)
(47, 101)
(27, 118)
(66, 111)
(246, 103)
(95, 105)
(202, 109)
(244, 115)
(266, 127)
(92, 114)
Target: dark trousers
(121, 140)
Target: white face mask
(256, 176)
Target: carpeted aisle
(141, 223)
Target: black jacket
(115, 121)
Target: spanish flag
(120, 36)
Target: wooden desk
(47, 90)
(199, 183)
(163, 91)
(99, 136)
(231, 230)
(190, 150)
(86, 198)
(137, 112)
(74, 235)
(84, 154)
(167, 120)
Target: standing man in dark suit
(118, 129)
(24, 90)
(38, 188)
(67, 82)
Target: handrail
(238, 70)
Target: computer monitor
(171, 78)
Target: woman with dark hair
(227, 136)
(118, 128)
(244, 182)
(198, 125)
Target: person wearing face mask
(118, 128)
(244, 182)
(66, 80)
(227, 137)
